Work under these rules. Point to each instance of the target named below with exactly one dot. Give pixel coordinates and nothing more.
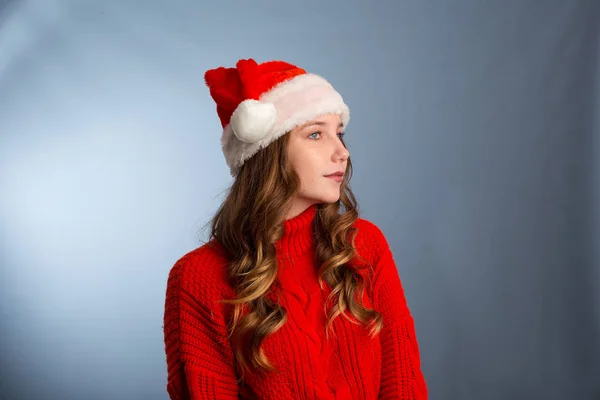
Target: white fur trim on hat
(291, 103)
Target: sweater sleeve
(200, 361)
(401, 375)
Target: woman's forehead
(324, 120)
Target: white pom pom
(252, 120)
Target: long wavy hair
(249, 222)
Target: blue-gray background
(474, 136)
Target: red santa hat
(258, 103)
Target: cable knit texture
(348, 365)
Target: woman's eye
(312, 135)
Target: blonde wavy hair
(249, 222)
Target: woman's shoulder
(369, 234)
(202, 271)
(370, 239)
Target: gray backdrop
(474, 136)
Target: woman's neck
(297, 233)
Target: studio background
(474, 136)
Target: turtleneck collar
(297, 233)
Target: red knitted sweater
(349, 365)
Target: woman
(294, 296)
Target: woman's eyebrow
(320, 123)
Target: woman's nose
(342, 153)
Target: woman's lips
(335, 177)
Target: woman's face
(315, 150)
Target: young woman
(294, 296)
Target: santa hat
(258, 103)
